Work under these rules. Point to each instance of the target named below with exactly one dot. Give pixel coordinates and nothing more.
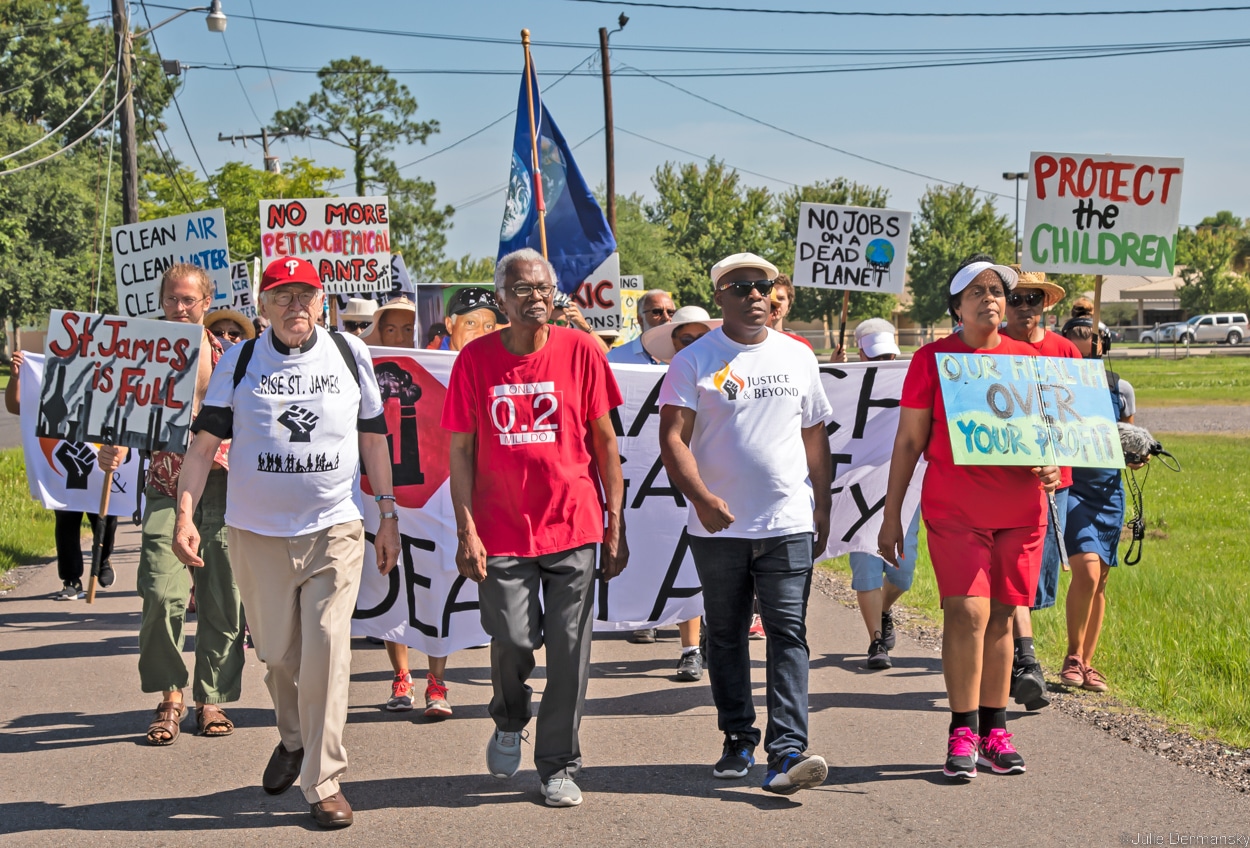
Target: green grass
(1176, 641)
(1184, 382)
(27, 529)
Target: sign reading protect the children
(1029, 410)
(851, 247)
(1102, 214)
(143, 252)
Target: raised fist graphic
(300, 422)
(78, 459)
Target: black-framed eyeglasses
(525, 290)
(1033, 298)
(357, 326)
(658, 311)
(743, 289)
(232, 335)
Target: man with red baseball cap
(303, 408)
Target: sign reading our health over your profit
(1102, 214)
(1029, 410)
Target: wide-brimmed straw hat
(1037, 280)
(658, 341)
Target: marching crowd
(538, 502)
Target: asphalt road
(74, 769)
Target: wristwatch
(392, 514)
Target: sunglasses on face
(1033, 298)
(657, 312)
(232, 335)
(743, 289)
(356, 326)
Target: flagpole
(535, 166)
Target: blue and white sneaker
(736, 760)
(503, 753)
(796, 771)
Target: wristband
(385, 515)
(380, 498)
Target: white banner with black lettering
(426, 604)
(63, 475)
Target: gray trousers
(519, 624)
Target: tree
(360, 108)
(950, 225)
(1209, 253)
(466, 269)
(645, 247)
(238, 188)
(418, 227)
(710, 215)
(813, 304)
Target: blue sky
(962, 124)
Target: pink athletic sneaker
(961, 754)
(999, 755)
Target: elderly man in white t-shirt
(742, 436)
(655, 308)
(303, 409)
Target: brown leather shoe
(282, 770)
(332, 812)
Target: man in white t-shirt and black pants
(303, 409)
(742, 436)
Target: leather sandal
(164, 728)
(211, 720)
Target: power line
(703, 158)
(64, 123)
(17, 33)
(67, 147)
(242, 87)
(272, 85)
(44, 75)
(178, 108)
(474, 199)
(810, 140)
(860, 14)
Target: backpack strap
(348, 356)
(240, 364)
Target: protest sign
(142, 252)
(347, 239)
(426, 604)
(1029, 410)
(64, 475)
(599, 296)
(1102, 214)
(120, 381)
(632, 290)
(851, 247)
(241, 298)
(865, 399)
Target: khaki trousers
(299, 594)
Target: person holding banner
(742, 436)
(532, 441)
(655, 308)
(985, 526)
(1026, 303)
(303, 409)
(68, 532)
(163, 581)
(1092, 536)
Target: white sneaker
(562, 792)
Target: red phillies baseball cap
(280, 272)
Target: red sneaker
(757, 627)
(436, 705)
(1073, 672)
(401, 693)
(1094, 681)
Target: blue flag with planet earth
(578, 236)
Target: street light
(609, 142)
(216, 22)
(1017, 177)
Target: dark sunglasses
(1033, 298)
(657, 312)
(743, 289)
(232, 335)
(354, 326)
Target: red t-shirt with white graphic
(989, 497)
(535, 488)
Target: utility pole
(130, 154)
(271, 162)
(609, 142)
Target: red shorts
(999, 564)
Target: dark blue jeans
(778, 571)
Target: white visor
(968, 273)
(876, 344)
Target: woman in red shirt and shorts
(985, 527)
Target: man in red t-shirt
(528, 408)
(1026, 303)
